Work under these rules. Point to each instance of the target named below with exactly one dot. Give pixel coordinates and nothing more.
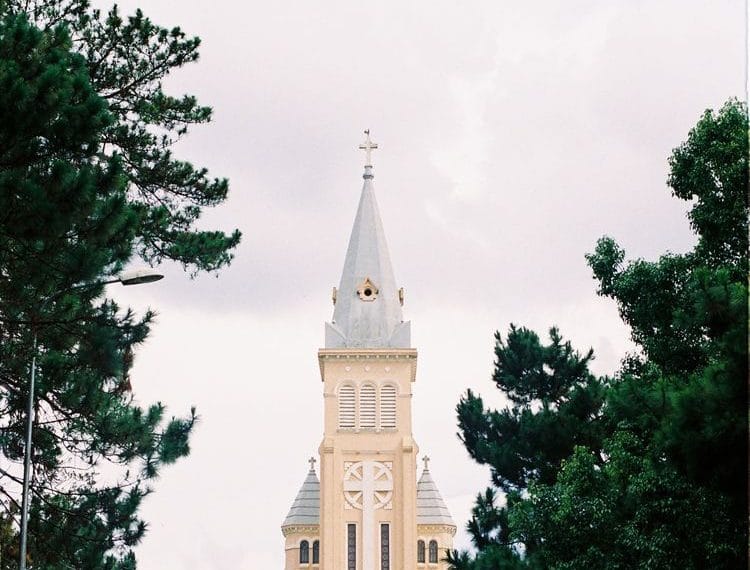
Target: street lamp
(129, 277)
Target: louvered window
(367, 406)
(420, 552)
(304, 552)
(388, 407)
(346, 406)
(316, 552)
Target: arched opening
(367, 406)
(388, 406)
(346, 406)
(433, 552)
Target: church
(370, 509)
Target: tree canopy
(128, 59)
(646, 468)
(88, 183)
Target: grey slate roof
(431, 508)
(306, 506)
(367, 324)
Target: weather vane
(368, 146)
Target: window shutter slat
(388, 407)
(346, 407)
(367, 406)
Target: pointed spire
(431, 508)
(306, 506)
(367, 311)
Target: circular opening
(368, 292)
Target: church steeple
(367, 512)
(367, 311)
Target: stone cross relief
(368, 146)
(368, 486)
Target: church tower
(368, 511)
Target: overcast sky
(512, 136)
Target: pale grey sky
(512, 136)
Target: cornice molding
(367, 353)
(436, 528)
(307, 529)
(358, 354)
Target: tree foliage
(87, 183)
(647, 468)
(128, 60)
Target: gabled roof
(306, 506)
(431, 508)
(367, 323)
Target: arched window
(433, 552)
(304, 552)
(367, 406)
(388, 407)
(316, 552)
(420, 551)
(346, 406)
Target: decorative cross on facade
(426, 460)
(312, 461)
(368, 485)
(368, 146)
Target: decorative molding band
(368, 430)
(309, 529)
(436, 528)
(354, 354)
(367, 353)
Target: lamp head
(139, 276)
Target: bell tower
(368, 512)
(368, 454)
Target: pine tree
(127, 60)
(647, 468)
(69, 219)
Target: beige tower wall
(393, 446)
(293, 536)
(443, 535)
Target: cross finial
(312, 461)
(426, 460)
(368, 146)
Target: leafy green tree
(86, 185)
(650, 469)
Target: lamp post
(130, 277)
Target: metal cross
(312, 461)
(368, 146)
(426, 460)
